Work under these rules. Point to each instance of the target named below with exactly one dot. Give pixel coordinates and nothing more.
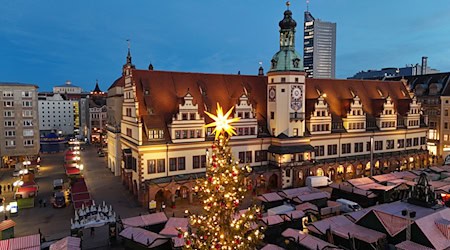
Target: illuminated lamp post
(5, 208)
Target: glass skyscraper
(319, 49)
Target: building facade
(56, 114)
(97, 115)
(291, 126)
(319, 49)
(67, 88)
(19, 122)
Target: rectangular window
(27, 113)
(203, 161)
(173, 164)
(28, 142)
(416, 141)
(260, 155)
(27, 94)
(8, 113)
(378, 145)
(10, 133)
(184, 116)
(181, 163)
(192, 116)
(161, 165)
(446, 112)
(389, 144)
(8, 94)
(10, 143)
(332, 149)
(320, 150)
(151, 166)
(27, 103)
(129, 132)
(10, 123)
(346, 148)
(423, 140)
(272, 115)
(445, 137)
(295, 131)
(245, 157)
(445, 125)
(359, 147)
(408, 142)
(196, 161)
(8, 104)
(28, 132)
(400, 143)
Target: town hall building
(290, 126)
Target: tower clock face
(272, 94)
(296, 97)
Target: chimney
(260, 71)
(424, 65)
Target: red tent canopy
(26, 189)
(72, 171)
(81, 197)
(79, 187)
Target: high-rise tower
(319, 48)
(286, 84)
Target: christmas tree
(222, 225)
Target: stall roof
(67, 243)
(81, 196)
(293, 215)
(310, 197)
(172, 225)
(270, 197)
(6, 224)
(280, 209)
(376, 186)
(272, 247)
(321, 226)
(358, 232)
(360, 181)
(384, 177)
(30, 242)
(272, 220)
(294, 192)
(145, 220)
(306, 240)
(143, 236)
(79, 187)
(307, 207)
(410, 245)
(72, 171)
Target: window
(8, 114)
(359, 147)
(129, 132)
(192, 116)
(446, 112)
(272, 115)
(8, 104)
(400, 143)
(346, 148)
(199, 161)
(416, 141)
(156, 134)
(260, 155)
(320, 150)
(27, 94)
(283, 79)
(446, 125)
(28, 142)
(184, 116)
(295, 132)
(10, 133)
(288, 173)
(151, 166)
(181, 163)
(332, 149)
(389, 144)
(10, 143)
(27, 123)
(28, 132)
(245, 157)
(10, 123)
(378, 145)
(446, 137)
(173, 164)
(423, 140)
(27, 104)
(27, 113)
(8, 94)
(161, 165)
(409, 142)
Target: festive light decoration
(222, 225)
(221, 122)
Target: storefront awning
(290, 149)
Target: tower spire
(129, 53)
(307, 5)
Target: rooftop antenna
(288, 3)
(129, 43)
(307, 5)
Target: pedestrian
(40, 202)
(92, 232)
(44, 202)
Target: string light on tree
(222, 225)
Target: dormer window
(184, 116)
(155, 134)
(192, 116)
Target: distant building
(56, 114)
(409, 70)
(19, 123)
(67, 88)
(97, 115)
(319, 48)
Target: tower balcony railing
(296, 116)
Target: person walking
(44, 202)
(40, 202)
(92, 232)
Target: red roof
(27, 189)
(81, 196)
(30, 242)
(6, 224)
(79, 187)
(29, 183)
(71, 171)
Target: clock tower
(286, 86)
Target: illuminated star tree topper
(221, 122)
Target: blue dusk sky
(47, 42)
